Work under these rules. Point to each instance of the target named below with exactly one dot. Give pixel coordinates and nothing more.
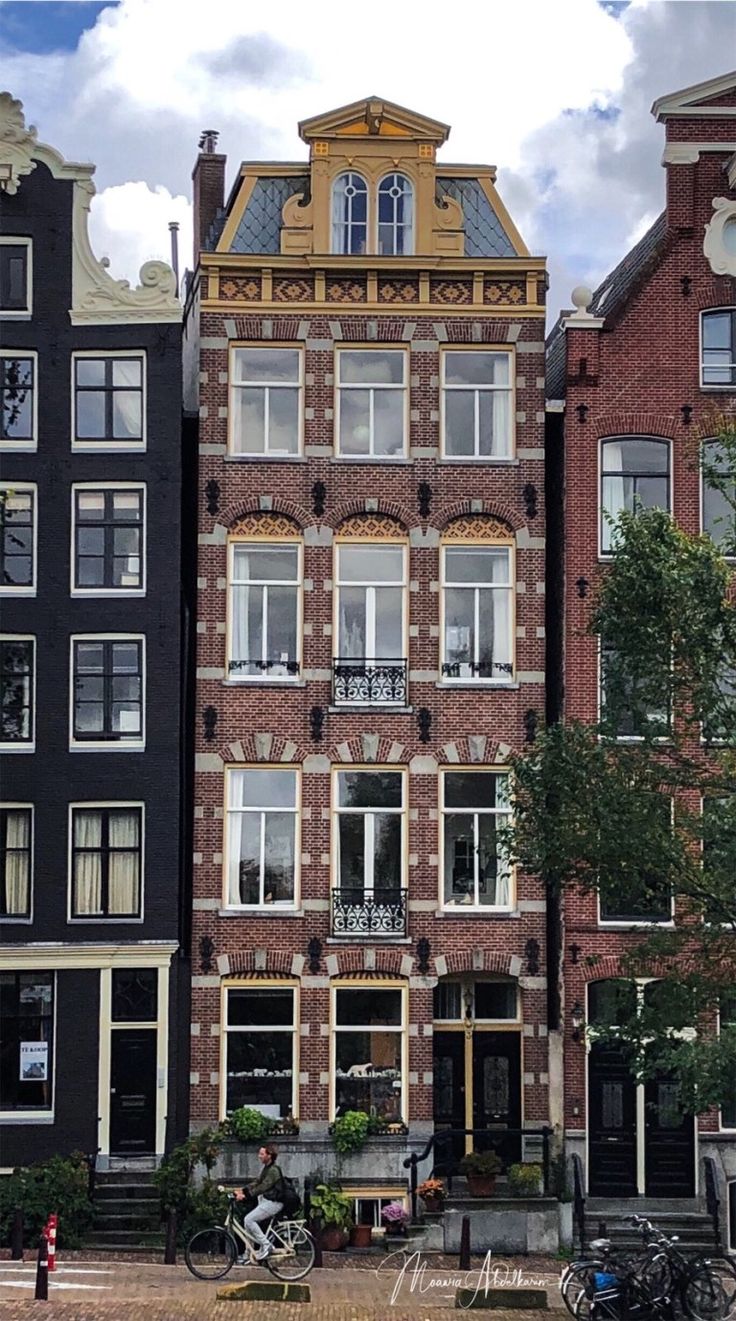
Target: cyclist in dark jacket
(265, 1188)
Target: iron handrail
(445, 1136)
(712, 1200)
(578, 1199)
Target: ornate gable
(715, 98)
(373, 117)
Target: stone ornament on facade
(96, 297)
(719, 244)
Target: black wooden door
(133, 1092)
(497, 1092)
(611, 1124)
(669, 1143)
(449, 1094)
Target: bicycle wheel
(574, 1282)
(210, 1253)
(709, 1292)
(292, 1252)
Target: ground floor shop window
(26, 1040)
(260, 1042)
(369, 1050)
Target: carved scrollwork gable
(17, 144)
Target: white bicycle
(211, 1253)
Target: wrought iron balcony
(477, 670)
(369, 682)
(374, 913)
(253, 667)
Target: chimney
(208, 177)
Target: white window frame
(279, 906)
(619, 738)
(712, 440)
(721, 387)
(375, 984)
(397, 227)
(117, 446)
(477, 390)
(102, 918)
(108, 745)
(510, 587)
(339, 250)
(278, 456)
(467, 985)
(267, 984)
(24, 446)
(21, 488)
(606, 555)
(370, 388)
(369, 842)
(266, 543)
(369, 585)
(504, 813)
(21, 313)
(359, 1193)
(10, 745)
(39, 1116)
(111, 592)
(20, 918)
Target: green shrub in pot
(525, 1180)
(350, 1131)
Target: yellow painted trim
(247, 184)
(351, 264)
(232, 983)
(409, 311)
(162, 1057)
(104, 1067)
(377, 983)
(264, 766)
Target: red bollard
(42, 1269)
(53, 1221)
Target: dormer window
(395, 216)
(349, 214)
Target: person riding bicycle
(265, 1189)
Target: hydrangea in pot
(395, 1218)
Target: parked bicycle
(211, 1253)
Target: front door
(612, 1159)
(449, 1095)
(669, 1142)
(497, 1092)
(133, 1092)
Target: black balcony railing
(476, 669)
(369, 682)
(378, 912)
(271, 668)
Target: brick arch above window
(286, 510)
(368, 526)
(386, 963)
(260, 963)
(477, 527)
(399, 515)
(623, 426)
(264, 525)
(609, 968)
(714, 294)
(510, 520)
(479, 962)
(368, 749)
(472, 750)
(263, 747)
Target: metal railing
(578, 1200)
(712, 1200)
(377, 912)
(255, 666)
(476, 669)
(445, 1140)
(369, 682)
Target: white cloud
(129, 224)
(557, 95)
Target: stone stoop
(609, 1218)
(127, 1213)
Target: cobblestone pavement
(105, 1291)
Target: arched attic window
(349, 213)
(395, 216)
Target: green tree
(642, 820)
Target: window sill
(358, 938)
(265, 458)
(106, 746)
(470, 910)
(103, 918)
(510, 462)
(109, 446)
(511, 686)
(264, 683)
(635, 924)
(17, 591)
(18, 446)
(17, 747)
(383, 459)
(360, 708)
(273, 911)
(722, 388)
(17, 919)
(109, 593)
(16, 316)
(27, 1117)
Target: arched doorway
(639, 1139)
(477, 1065)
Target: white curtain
(234, 837)
(87, 866)
(124, 865)
(17, 863)
(240, 648)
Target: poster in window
(34, 1061)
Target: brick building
(92, 973)
(636, 370)
(364, 339)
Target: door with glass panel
(369, 897)
(477, 599)
(370, 666)
(264, 611)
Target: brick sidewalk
(98, 1291)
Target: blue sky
(565, 116)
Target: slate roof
(484, 233)
(611, 295)
(259, 230)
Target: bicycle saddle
(601, 1245)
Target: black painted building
(93, 968)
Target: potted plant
(395, 1218)
(480, 1169)
(350, 1131)
(335, 1213)
(525, 1180)
(360, 1236)
(249, 1125)
(432, 1193)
